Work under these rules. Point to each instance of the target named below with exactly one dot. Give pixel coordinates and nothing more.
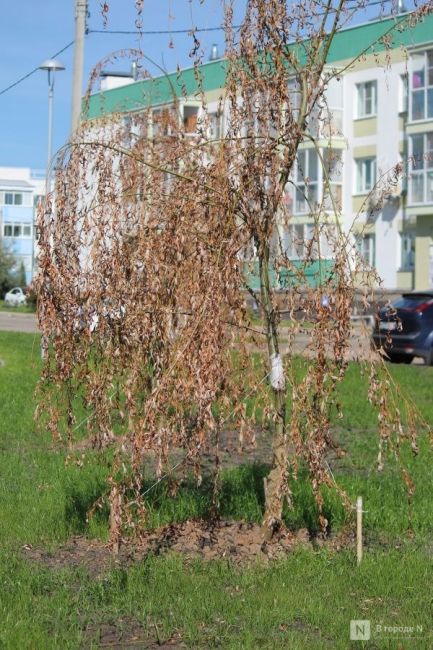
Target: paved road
(359, 348)
(15, 322)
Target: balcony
(420, 188)
(420, 172)
(326, 124)
(316, 188)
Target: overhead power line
(159, 31)
(196, 30)
(29, 74)
(147, 33)
(137, 32)
(112, 31)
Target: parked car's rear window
(411, 302)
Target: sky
(31, 32)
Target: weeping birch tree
(158, 231)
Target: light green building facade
(382, 107)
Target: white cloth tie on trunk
(278, 380)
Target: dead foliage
(149, 243)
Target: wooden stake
(115, 520)
(359, 530)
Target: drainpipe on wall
(404, 183)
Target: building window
(18, 230)
(367, 99)
(332, 118)
(134, 126)
(421, 85)
(326, 118)
(215, 126)
(329, 239)
(421, 168)
(333, 172)
(163, 120)
(293, 241)
(294, 96)
(190, 115)
(306, 181)
(366, 245)
(365, 175)
(13, 198)
(407, 250)
(309, 186)
(301, 240)
(403, 95)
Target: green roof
(347, 44)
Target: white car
(15, 297)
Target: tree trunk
(276, 482)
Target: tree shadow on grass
(241, 497)
(80, 500)
(305, 513)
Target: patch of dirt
(93, 555)
(238, 541)
(128, 633)
(232, 452)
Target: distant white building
(21, 189)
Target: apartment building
(379, 114)
(21, 189)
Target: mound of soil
(238, 541)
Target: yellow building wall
(424, 237)
(405, 280)
(365, 151)
(419, 127)
(364, 126)
(362, 228)
(359, 203)
(380, 59)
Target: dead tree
(144, 266)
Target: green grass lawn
(304, 601)
(22, 309)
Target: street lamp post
(51, 66)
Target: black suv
(405, 329)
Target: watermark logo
(399, 631)
(360, 630)
(364, 630)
